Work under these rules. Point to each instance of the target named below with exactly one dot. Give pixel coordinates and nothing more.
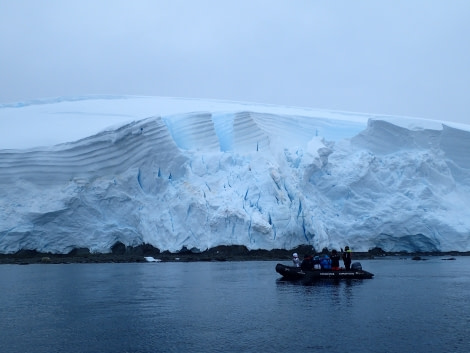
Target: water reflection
(237, 307)
(348, 282)
(335, 293)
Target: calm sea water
(409, 306)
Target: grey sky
(409, 57)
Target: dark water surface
(410, 306)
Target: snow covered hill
(91, 171)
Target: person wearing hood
(346, 255)
(295, 259)
(335, 260)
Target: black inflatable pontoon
(296, 273)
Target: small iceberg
(151, 259)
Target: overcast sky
(409, 57)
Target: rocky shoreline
(125, 254)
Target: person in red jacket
(334, 260)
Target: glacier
(87, 172)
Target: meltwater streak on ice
(224, 175)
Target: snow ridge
(110, 152)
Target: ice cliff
(230, 174)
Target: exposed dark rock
(185, 250)
(79, 252)
(303, 250)
(118, 248)
(377, 252)
(26, 253)
(148, 249)
(225, 250)
(121, 253)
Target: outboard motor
(356, 266)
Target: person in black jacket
(307, 263)
(346, 255)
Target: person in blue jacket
(325, 262)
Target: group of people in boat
(324, 261)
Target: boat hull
(296, 273)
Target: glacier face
(263, 178)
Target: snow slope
(172, 172)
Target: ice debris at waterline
(178, 173)
(151, 259)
